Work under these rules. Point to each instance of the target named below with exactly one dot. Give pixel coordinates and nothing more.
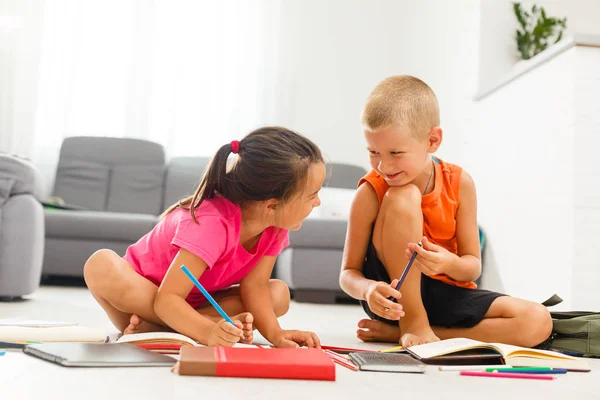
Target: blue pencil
(207, 295)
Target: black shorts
(446, 305)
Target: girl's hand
(289, 338)
(431, 258)
(224, 334)
(378, 299)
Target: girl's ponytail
(211, 183)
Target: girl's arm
(363, 214)
(172, 308)
(256, 297)
(467, 266)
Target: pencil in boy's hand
(207, 295)
(405, 273)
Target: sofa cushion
(320, 233)
(344, 176)
(98, 225)
(182, 176)
(335, 204)
(111, 174)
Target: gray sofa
(21, 227)
(114, 190)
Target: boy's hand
(377, 298)
(431, 258)
(292, 338)
(224, 334)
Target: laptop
(76, 354)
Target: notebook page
(157, 337)
(447, 346)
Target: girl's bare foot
(247, 320)
(376, 331)
(138, 325)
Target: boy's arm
(467, 266)
(363, 214)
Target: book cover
(288, 363)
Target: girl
(231, 230)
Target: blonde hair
(402, 99)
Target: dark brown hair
(272, 163)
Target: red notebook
(300, 363)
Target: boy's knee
(402, 199)
(280, 296)
(539, 325)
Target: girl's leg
(400, 221)
(230, 301)
(508, 320)
(121, 291)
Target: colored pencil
(207, 295)
(528, 370)
(507, 375)
(340, 360)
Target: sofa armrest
(19, 176)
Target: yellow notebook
(514, 356)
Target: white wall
(522, 158)
(498, 49)
(586, 257)
(334, 52)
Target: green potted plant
(537, 31)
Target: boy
(410, 197)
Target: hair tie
(235, 146)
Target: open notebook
(512, 355)
(165, 342)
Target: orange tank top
(439, 209)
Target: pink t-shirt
(215, 239)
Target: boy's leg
(508, 320)
(400, 221)
(121, 291)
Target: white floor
(23, 377)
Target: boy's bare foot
(417, 335)
(371, 330)
(138, 325)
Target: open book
(51, 333)
(166, 342)
(515, 356)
